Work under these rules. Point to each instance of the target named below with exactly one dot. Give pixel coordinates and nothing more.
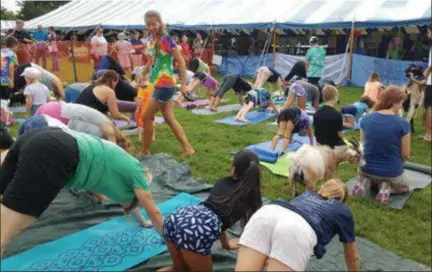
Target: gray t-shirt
(46, 77)
(312, 91)
(78, 86)
(84, 119)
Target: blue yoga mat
(21, 109)
(265, 155)
(19, 120)
(115, 245)
(356, 127)
(253, 117)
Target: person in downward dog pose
(230, 81)
(269, 75)
(284, 235)
(304, 92)
(80, 118)
(42, 162)
(292, 120)
(255, 98)
(201, 79)
(162, 50)
(353, 112)
(191, 231)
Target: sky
(10, 5)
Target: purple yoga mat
(199, 102)
(123, 124)
(126, 106)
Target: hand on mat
(146, 223)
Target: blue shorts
(194, 228)
(71, 95)
(349, 111)
(33, 123)
(163, 94)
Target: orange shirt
(144, 94)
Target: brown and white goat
(312, 163)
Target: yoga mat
(265, 155)
(356, 127)
(225, 108)
(121, 124)
(19, 120)
(115, 245)
(253, 117)
(134, 131)
(281, 166)
(415, 179)
(18, 109)
(71, 213)
(199, 102)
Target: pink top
(372, 89)
(124, 47)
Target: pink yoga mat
(198, 102)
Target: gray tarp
(72, 212)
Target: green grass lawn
(406, 232)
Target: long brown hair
(122, 141)
(107, 77)
(161, 31)
(390, 96)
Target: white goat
(312, 163)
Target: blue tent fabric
(391, 71)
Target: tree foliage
(7, 14)
(32, 9)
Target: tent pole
(274, 48)
(351, 50)
(72, 41)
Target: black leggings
(228, 83)
(36, 168)
(298, 69)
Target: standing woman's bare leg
(168, 114)
(148, 128)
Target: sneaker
(360, 187)
(384, 193)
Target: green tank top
(107, 169)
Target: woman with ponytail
(162, 52)
(191, 231)
(285, 235)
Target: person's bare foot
(213, 109)
(427, 138)
(188, 152)
(242, 119)
(143, 153)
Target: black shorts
(36, 168)
(274, 77)
(201, 76)
(428, 97)
(290, 114)
(4, 92)
(6, 140)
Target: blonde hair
(156, 15)
(329, 92)
(122, 140)
(334, 189)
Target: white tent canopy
(5, 25)
(235, 14)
